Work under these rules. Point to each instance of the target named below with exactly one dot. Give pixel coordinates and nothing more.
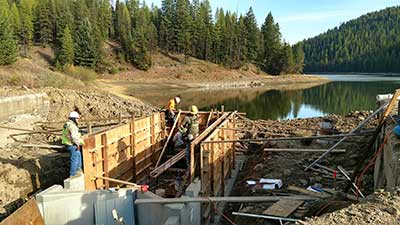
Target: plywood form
(28, 214)
(123, 152)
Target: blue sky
(301, 19)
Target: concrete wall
(170, 214)
(59, 206)
(24, 104)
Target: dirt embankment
(24, 171)
(171, 72)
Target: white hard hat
(177, 99)
(74, 114)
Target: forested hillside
(77, 29)
(370, 43)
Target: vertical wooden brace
(105, 158)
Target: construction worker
(190, 129)
(73, 141)
(171, 108)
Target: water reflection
(339, 97)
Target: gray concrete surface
(24, 104)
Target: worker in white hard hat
(73, 141)
(190, 129)
(171, 108)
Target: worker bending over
(190, 129)
(73, 141)
(171, 108)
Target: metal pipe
(265, 217)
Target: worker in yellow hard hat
(171, 108)
(190, 129)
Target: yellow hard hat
(194, 110)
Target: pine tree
(65, 55)
(43, 25)
(253, 36)
(8, 45)
(298, 57)
(85, 46)
(167, 34)
(271, 49)
(26, 32)
(15, 20)
(124, 31)
(287, 60)
(182, 26)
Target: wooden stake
(118, 181)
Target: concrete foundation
(61, 206)
(24, 104)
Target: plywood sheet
(28, 214)
(283, 208)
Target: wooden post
(234, 144)
(211, 194)
(222, 159)
(192, 162)
(133, 145)
(105, 158)
(153, 138)
(89, 127)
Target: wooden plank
(28, 214)
(89, 161)
(223, 199)
(283, 207)
(302, 150)
(105, 158)
(308, 192)
(169, 137)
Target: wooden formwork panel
(123, 152)
(28, 214)
(217, 162)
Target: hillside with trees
(370, 43)
(77, 30)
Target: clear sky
(300, 19)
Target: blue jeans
(76, 159)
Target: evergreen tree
(8, 45)
(43, 25)
(271, 50)
(369, 43)
(15, 20)
(253, 36)
(26, 32)
(298, 57)
(65, 55)
(167, 34)
(86, 51)
(182, 26)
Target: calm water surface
(344, 94)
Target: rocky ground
(24, 171)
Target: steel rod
(265, 217)
(291, 138)
(223, 199)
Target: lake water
(344, 94)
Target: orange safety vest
(171, 104)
